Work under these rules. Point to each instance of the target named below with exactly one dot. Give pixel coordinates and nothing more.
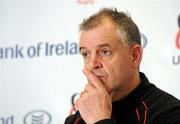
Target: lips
(98, 72)
(99, 75)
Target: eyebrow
(99, 46)
(103, 45)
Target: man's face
(105, 55)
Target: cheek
(85, 62)
(117, 71)
(122, 66)
(118, 65)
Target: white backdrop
(40, 67)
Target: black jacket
(147, 104)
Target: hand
(94, 103)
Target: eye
(106, 52)
(85, 54)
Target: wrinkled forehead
(103, 35)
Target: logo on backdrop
(73, 101)
(85, 2)
(40, 49)
(178, 35)
(176, 58)
(74, 98)
(7, 120)
(143, 40)
(38, 117)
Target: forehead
(103, 34)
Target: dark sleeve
(172, 117)
(72, 118)
(76, 118)
(106, 121)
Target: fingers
(89, 88)
(93, 79)
(83, 93)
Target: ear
(136, 54)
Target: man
(116, 92)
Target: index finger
(94, 80)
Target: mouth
(101, 78)
(100, 75)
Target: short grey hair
(126, 28)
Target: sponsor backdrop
(40, 65)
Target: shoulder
(163, 107)
(161, 97)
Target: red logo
(85, 1)
(178, 40)
(178, 34)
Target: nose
(94, 63)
